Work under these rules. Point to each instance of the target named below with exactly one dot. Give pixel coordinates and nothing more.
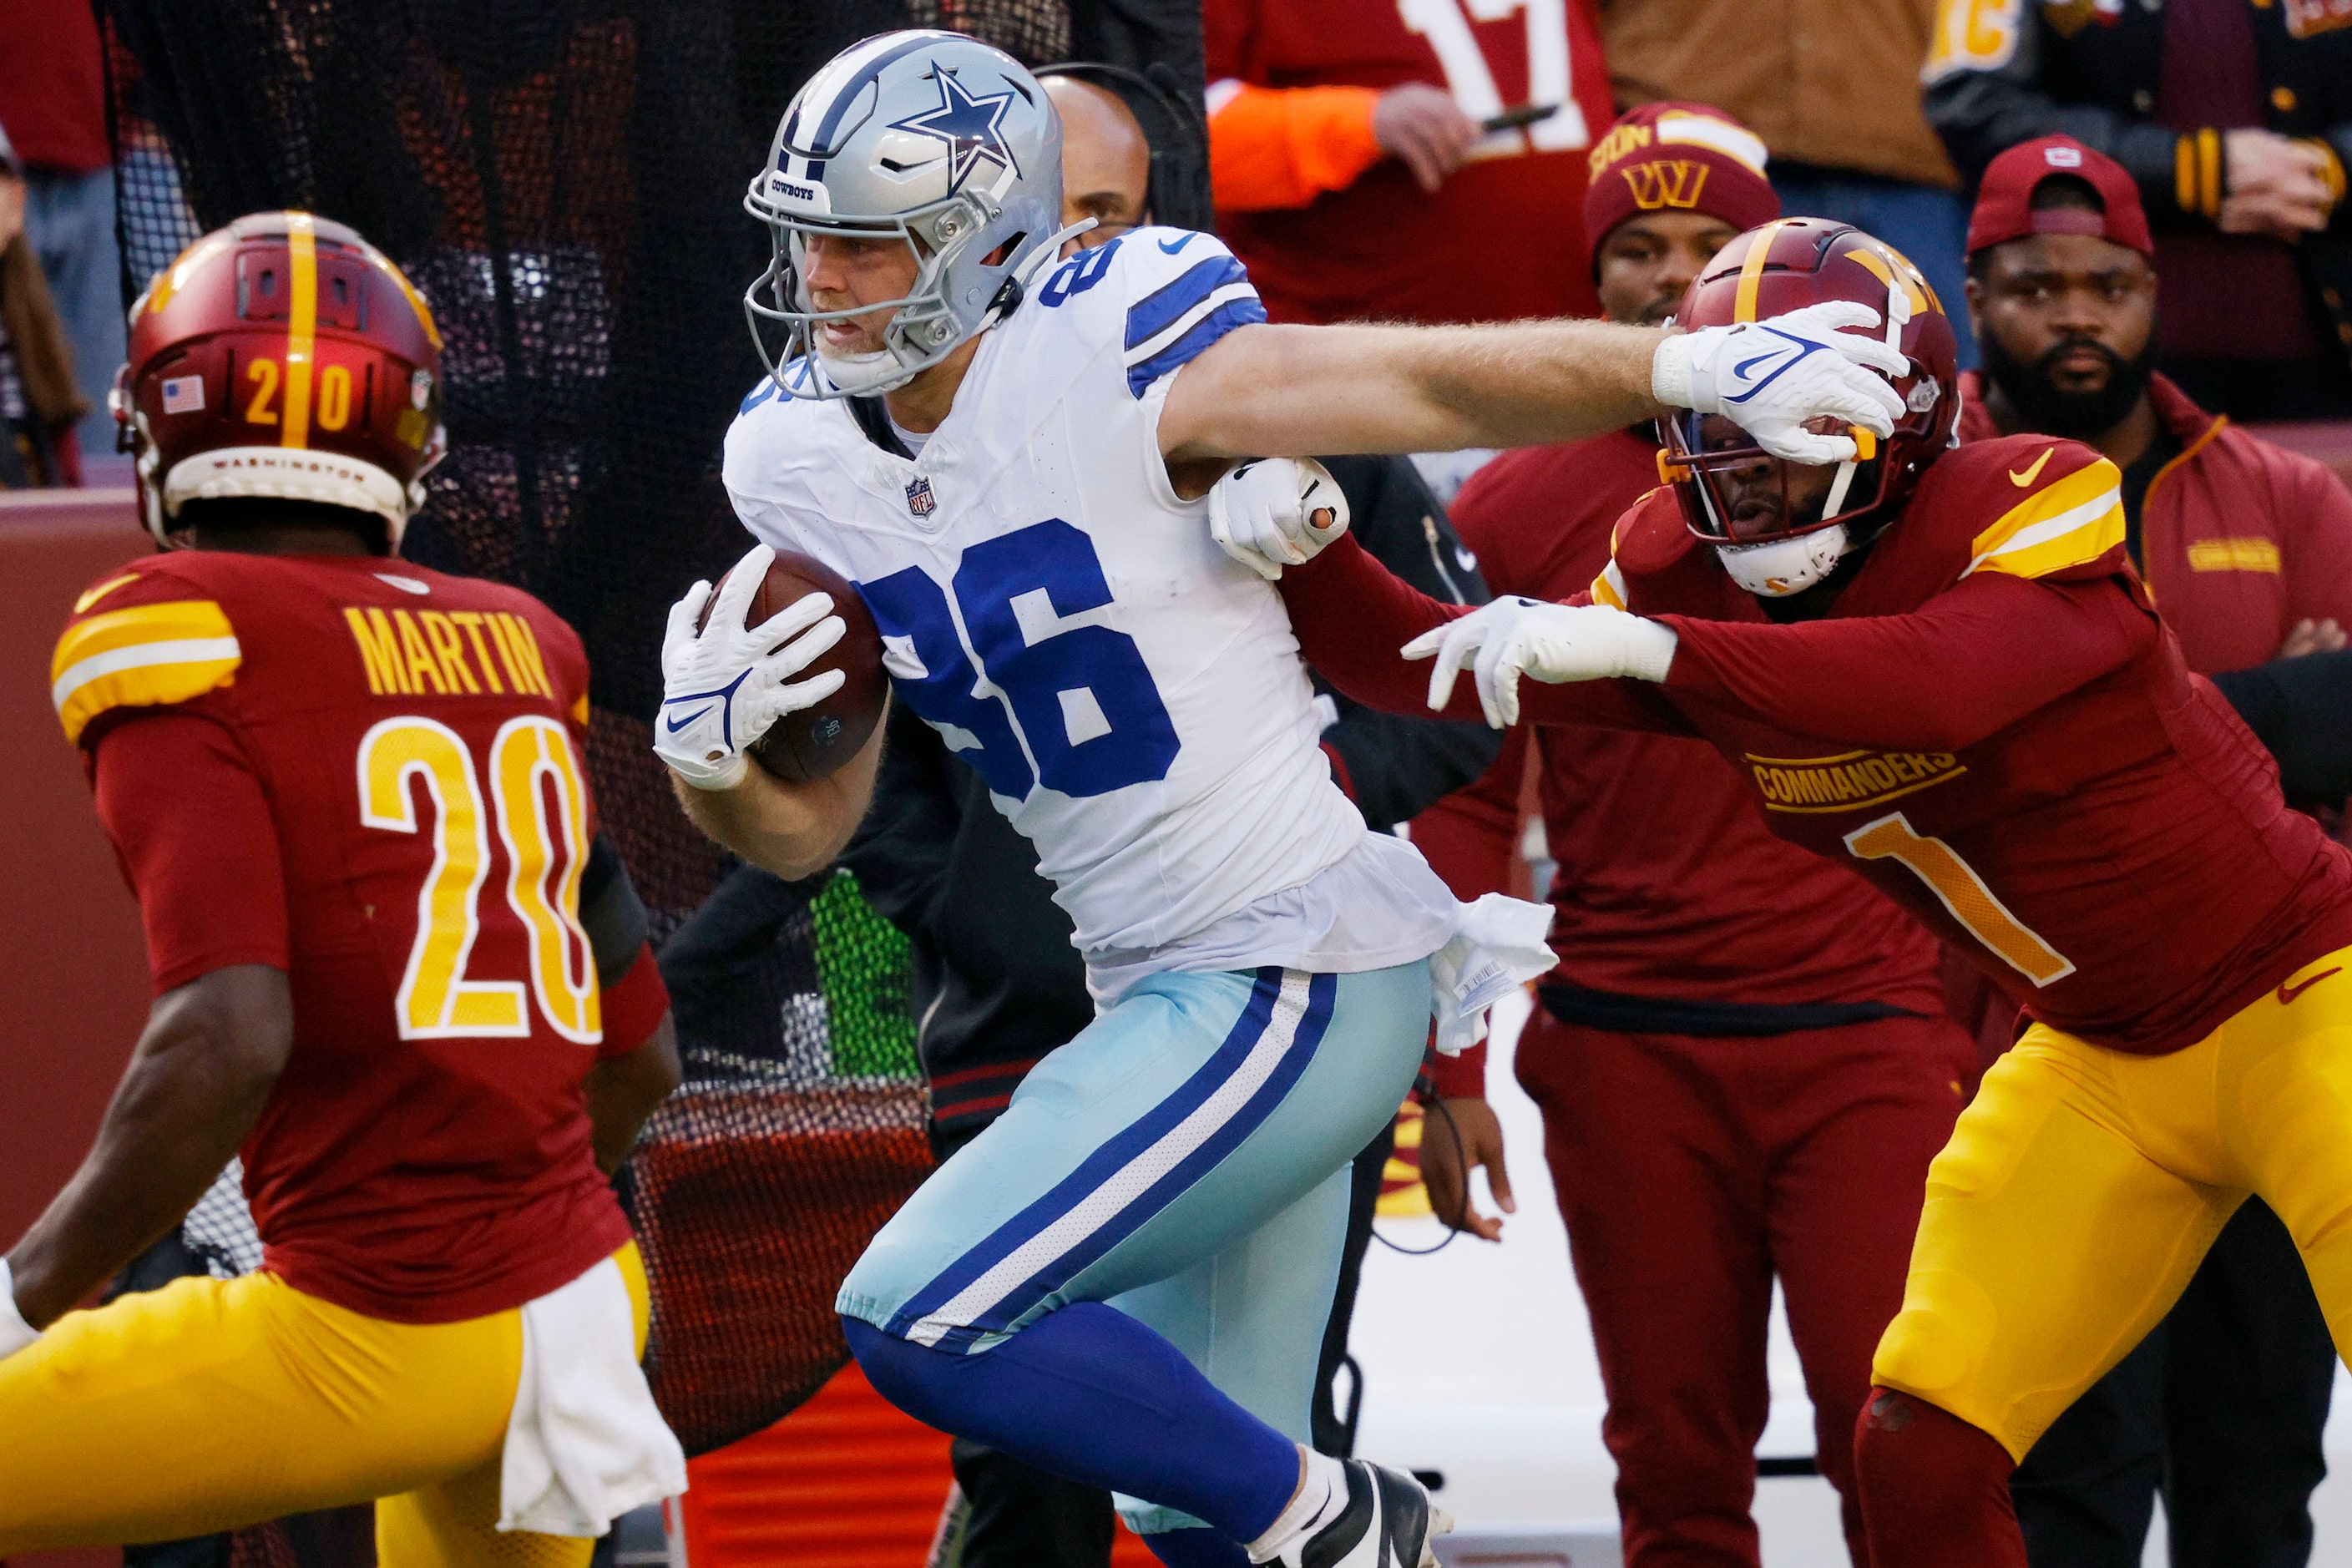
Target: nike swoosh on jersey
(2034, 470)
(2287, 994)
(676, 724)
(1172, 249)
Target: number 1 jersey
(368, 774)
(1134, 697)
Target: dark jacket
(2006, 71)
(996, 983)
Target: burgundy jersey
(1990, 724)
(368, 774)
(1504, 236)
(1670, 884)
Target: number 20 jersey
(368, 774)
(1134, 699)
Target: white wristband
(1650, 650)
(15, 1332)
(1670, 371)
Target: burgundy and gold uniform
(1990, 724)
(365, 775)
(1742, 1059)
(368, 774)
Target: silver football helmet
(930, 138)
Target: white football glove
(1263, 514)
(15, 1332)
(724, 686)
(1554, 643)
(1770, 376)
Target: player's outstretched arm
(794, 830)
(1351, 615)
(1294, 391)
(205, 1066)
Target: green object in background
(861, 964)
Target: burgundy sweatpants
(1691, 1171)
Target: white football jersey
(1134, 697)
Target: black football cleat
(1389, 1522)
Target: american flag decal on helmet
(919, 497)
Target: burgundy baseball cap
(1677, 156)
(2004, 208)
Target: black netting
(562, 180)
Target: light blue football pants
(1184, 1159)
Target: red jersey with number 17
(1990, 724)
(368, 774)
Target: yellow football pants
(210, 1405)
(2082, 1186)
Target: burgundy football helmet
(1785, 265)
(286, 357)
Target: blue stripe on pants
(945, 1312)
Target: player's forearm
(624, 1091)
(205, 1064)
(1971, 662)
(794, 830)
(1351, 614)
(1286, 391)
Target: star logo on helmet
(971, 126)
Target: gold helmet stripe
(301, 327)
(1752, 272)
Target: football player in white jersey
(1009, 452)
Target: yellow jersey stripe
(145, 675)
(2070, 520)
(2084, 534)
(92, 595)
(1752, 272)
(180, 620)
(1609, 588)
(301, 327)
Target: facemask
(1785, 567)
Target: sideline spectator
(996, 983)
(53, 102)
(2248, 548)
(1742, 1059)
(39, 404)
(2235, 122)
(1832, 86)
(1352, 174)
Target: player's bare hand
(1771, 377)
(1456, 1137)
(2312, 637)
(2277, 185)
(1276, 512)
(1501, 641)
(1424, 128)
(724, 683)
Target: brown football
(807, 745)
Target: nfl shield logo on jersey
(919, 497)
